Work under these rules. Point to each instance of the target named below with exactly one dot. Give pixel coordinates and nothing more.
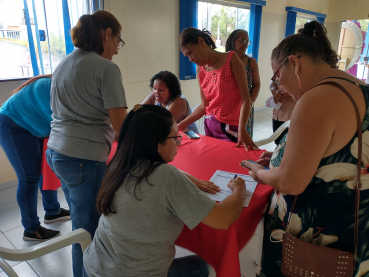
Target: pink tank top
(221, 90)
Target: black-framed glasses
(275, 73)
(244, 41)
(121, 43)
(177, 138)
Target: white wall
(6, 170)
(273, 26)
(151, 33)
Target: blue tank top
(192, 126)
(30, 107)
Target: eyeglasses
(177, 138)
(121, 43)
(275, 73)
(244, 41)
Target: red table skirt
(201, 158)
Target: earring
(298, 80)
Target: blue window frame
(292, 16)
(36, 34)
(188, 18)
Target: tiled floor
(58, 264)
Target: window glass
(221, 21)
(47, 26)
(14, 51)
(300, 22)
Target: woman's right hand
(264, 159)
(238, 184)
(278, 98)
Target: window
(37, 45)
(301, 20)
(221, 21)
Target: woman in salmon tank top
(225, 99)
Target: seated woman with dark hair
(145, 203)
(166, 92)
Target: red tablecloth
(201, 158)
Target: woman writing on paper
(145, 203)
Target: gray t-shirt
(84, 86)
(139, 239)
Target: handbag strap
(358, 186)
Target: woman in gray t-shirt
(89, 106)
(145, 203)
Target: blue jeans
(81, 180)
(24, 152)
(189, 266)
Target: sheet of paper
(222, 178)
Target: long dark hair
(30, 81)
(170, 80)
(191, 35)
(232, 37)
(137, 155)
(311, 41)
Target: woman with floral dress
(238, 41)
(317, 159)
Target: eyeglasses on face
(177, 138)
(275, 73)
(121, 42)
(244, 41)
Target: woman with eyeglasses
(225, 99)
(238, 41)
(89, 106)
(317, 159)
(145, 203)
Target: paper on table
(222, 178)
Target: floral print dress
(324, 213)
(250, 123)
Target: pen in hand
(234, 178)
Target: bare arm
(150, 99)
(198, 112)
(201, 184)
(239, 73)
(229, 210)
(314, 134)
(255, 80)
(117, 116)
(178, 108)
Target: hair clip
(136, 107)
(314, 33)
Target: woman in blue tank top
(166, 92)
(24, 122)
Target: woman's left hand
(245, 139)
(254, 169)
(206, 186)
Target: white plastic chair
(80, 236)
(200, 122)
(274, 136)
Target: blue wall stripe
(255, 2)
(187, 18)
(32, 50)
(291, 23)
(254, 32)
(320, 20)
(294, 9)
(69, 47)
(38, 38)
